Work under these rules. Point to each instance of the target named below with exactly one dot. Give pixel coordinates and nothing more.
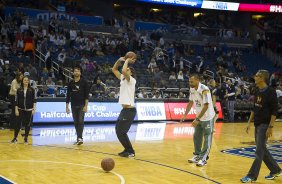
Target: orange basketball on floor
(107, 164)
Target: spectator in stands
(98, 88)
(172, 76)
(181, 95)
(21, 67)
(15, 85)
(50, 82)
(273, 80)
(230, 100)
(142, 94)
(29, 46)
(4, 89)
(44, 75)
(180, 76)
(32, 71)
(152, 65)
(43, 92)
(157, 95)
(62, 56)
(48, 59)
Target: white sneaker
(201, 163)
(195, 159)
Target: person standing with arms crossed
(200, 96)
(126, 99)
(78, 94)
(264, 115)
(25, 104)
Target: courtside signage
(56, 112)
(151, 111)
(174, 111)
(189, 3)
(219, 5)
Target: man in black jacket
(264, 115)
(77, 94)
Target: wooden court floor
(156, 162)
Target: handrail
(40, 56)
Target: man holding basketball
(264, 115)
(126, 99)
(200, 96)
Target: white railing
(56, 67)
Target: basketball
(107, 164)
(130, 55)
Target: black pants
(12, 120)
(123, 125)
(78, 118)
(24, 119)
(262, 154)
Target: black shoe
(127, 154)
(121, 153)
(78, 142)
(14, 141)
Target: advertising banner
(46, 15)
(219, 5)
(260, 8)
(174, 111)
(151, 111)
(56, 112)
(189, 3)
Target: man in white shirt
(200, 96)
(126, 99)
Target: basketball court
(162, 150)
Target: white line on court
(122, 180)
(8, 179)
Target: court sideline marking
(142, 160)
(122, 180)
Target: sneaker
(25, 141)
(201, 163)
(127, 154)
(195, 159)
(247, 179)
(14, 141)
(80, 141)
(121, 153)
(272, 176)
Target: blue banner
(189, 3)
(150, 26)
(56, 112)
(47, 15)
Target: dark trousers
(24, 119)
(123, 125)
(78, 118)
(262, 154)
(12, 120)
